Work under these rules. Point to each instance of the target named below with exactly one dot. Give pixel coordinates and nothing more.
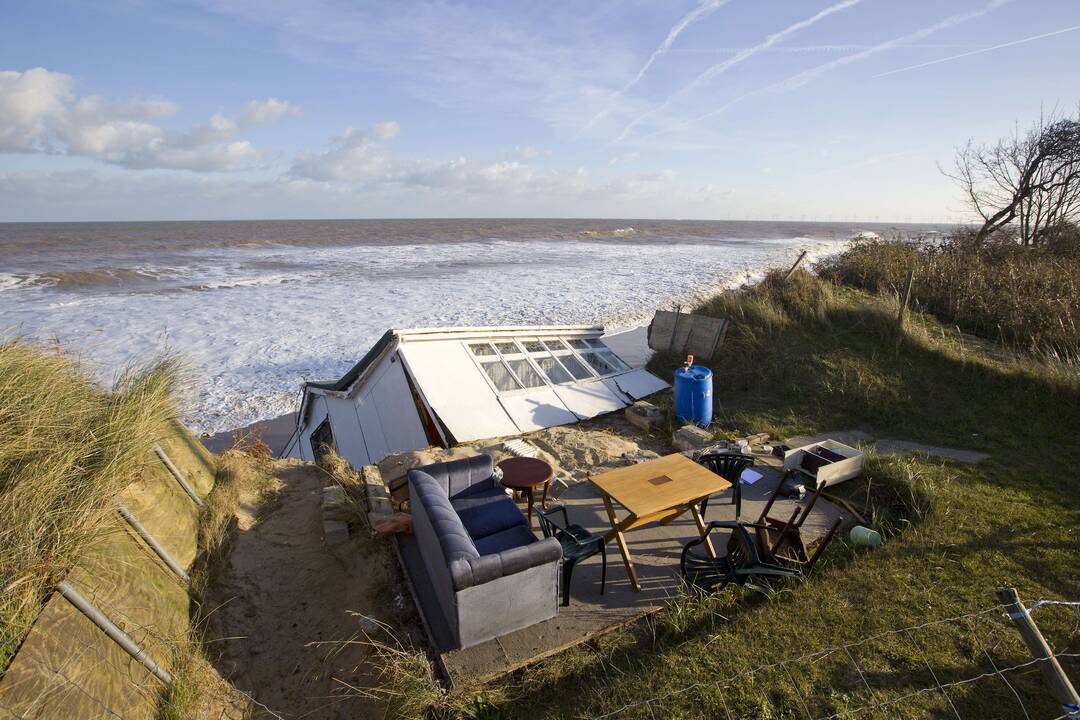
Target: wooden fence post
(798, 261)
(905, 301)
(1055, 677)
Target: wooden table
(525, 474)
(657, 490)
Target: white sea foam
(258, 331)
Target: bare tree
(1031, 179)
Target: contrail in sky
(746, 54)
(981, 50)
(800, 79)
(700, 12)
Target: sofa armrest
(469, 571)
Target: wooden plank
(699, 335)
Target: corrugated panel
(456, 390)
(699, 335)
(589, 399)
(637, 383)
(537, 409)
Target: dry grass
(67, 447)
(1021, 297)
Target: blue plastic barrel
(693, 395)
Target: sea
(253, 309)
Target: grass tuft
(67, 447)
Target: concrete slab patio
(655, 549)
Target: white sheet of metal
(397, 411)
(638, 383)
(537, 409)
(348, 434)
(456, 390)
(589, 399)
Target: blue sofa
(490, 574)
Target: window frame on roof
(556, 347)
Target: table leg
(543, 500)
(701, 529)
(627, 560)
(528, 512)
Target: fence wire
(874, 700)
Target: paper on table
(749, 477)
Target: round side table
(525, 474)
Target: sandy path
(284, 601)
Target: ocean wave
(83, 279)
(617, 232)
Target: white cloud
(266, 111)
(26, 100)
(386, 130)
(627, 157)
(40, 113)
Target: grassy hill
(811, 356)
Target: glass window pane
(501, 376)
(553, 345)
(553, 370)
(525, 373)
(575, 367)
(534, 346)
(601, 365)
(613, 360)
(578, 344)
(507, 348)
(481, 349)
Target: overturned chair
(741, 563)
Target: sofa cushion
(516, 536)
(458, 476)
(487, 512)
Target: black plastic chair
(728, 466)
(577, 545)
(742, 562)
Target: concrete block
(335, 532)
(691, 437)
(375, 491)
(333, 496)
(644, 415)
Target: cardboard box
(824, 470)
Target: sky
(697, 109)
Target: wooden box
(824, 467)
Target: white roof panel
(637, 383)
(536, 409)
(456, 390)
(589, 399)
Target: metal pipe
(108, 627)
(152, 542)
(178, 475)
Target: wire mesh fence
(965, 666)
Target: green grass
(812, 357)
(67, 447)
